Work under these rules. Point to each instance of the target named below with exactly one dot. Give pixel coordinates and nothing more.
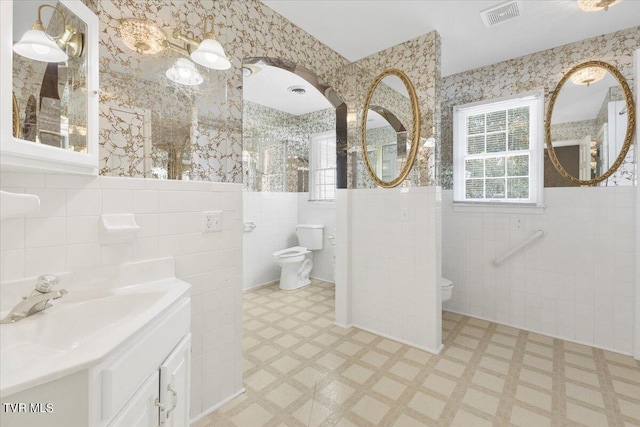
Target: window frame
(313, 166)
(535, 101)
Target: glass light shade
(210, 54)
(596, 5)
(142, 36)
(184, 72)
(587, 76)
(37, 45)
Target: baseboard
(320, 278)
(262, 285)
(410, 344)
(538, 332)
(342, 326)
(217, 406)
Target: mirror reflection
(289, 131)
(387, 143)
(388, 133)
(588, 128)
(49, 75)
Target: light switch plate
(211, 221)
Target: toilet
(296, 262)
(447, 289)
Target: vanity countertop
(85, 326)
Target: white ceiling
(359, 28)
(576, 103)
(268, 87)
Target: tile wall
(64, 236)
(325, 214)
(576, 283)
(276, 216)
(395, 264)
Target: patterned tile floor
(301, 370)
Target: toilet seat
(446, 283)
(291, 252)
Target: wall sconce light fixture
(208, 52)
(36, 44)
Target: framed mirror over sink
(589, 127)
(49, 86)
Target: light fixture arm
(190, 41)
(38, 25)
(209, 34)
(177, 48)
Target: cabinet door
(142, 410)
(175, 376)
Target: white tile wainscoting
(575, 283)
(276, 215)
(394, 264)
(64, 236)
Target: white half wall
(395, 269)
(343, 313)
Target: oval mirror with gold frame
(390, 128)
(590, 123)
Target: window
(497, 154)
(322, 167)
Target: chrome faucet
(37, 300)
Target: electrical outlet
(404, 214)
(211, 221)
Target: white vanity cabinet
(147, 384)
(144, 381)
(164, 398)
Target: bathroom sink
(69, 323)
(79, 330)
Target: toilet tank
(310, 236)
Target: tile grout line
(612, 408)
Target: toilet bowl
(296, 262)
(447, 289)
(296, 265)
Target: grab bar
(538, 234)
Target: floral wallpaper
(245, 29)
(541, 70)
(573, 130)
(419, 58)
(276, 146)
(211, 111)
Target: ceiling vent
(501, 13)
(298, 90)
